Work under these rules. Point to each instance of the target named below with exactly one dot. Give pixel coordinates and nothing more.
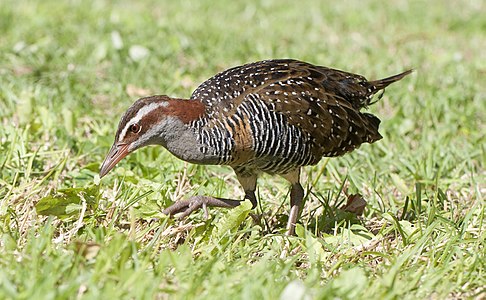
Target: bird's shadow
(330, 214)
(326, 213)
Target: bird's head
(147, 122)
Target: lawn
(69, 69)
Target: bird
(272, 116)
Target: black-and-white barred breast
(258, 137)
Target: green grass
(65, 79)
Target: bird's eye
(135, 128)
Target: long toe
(178, 207)
(187, 207)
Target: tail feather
(383, 83)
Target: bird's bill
(117, 153)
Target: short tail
(377, 85)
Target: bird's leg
(188, 206)
(248, 183)
(296, 196)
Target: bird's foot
(190, 205)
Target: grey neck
(181, 140)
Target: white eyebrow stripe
(140, 114)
